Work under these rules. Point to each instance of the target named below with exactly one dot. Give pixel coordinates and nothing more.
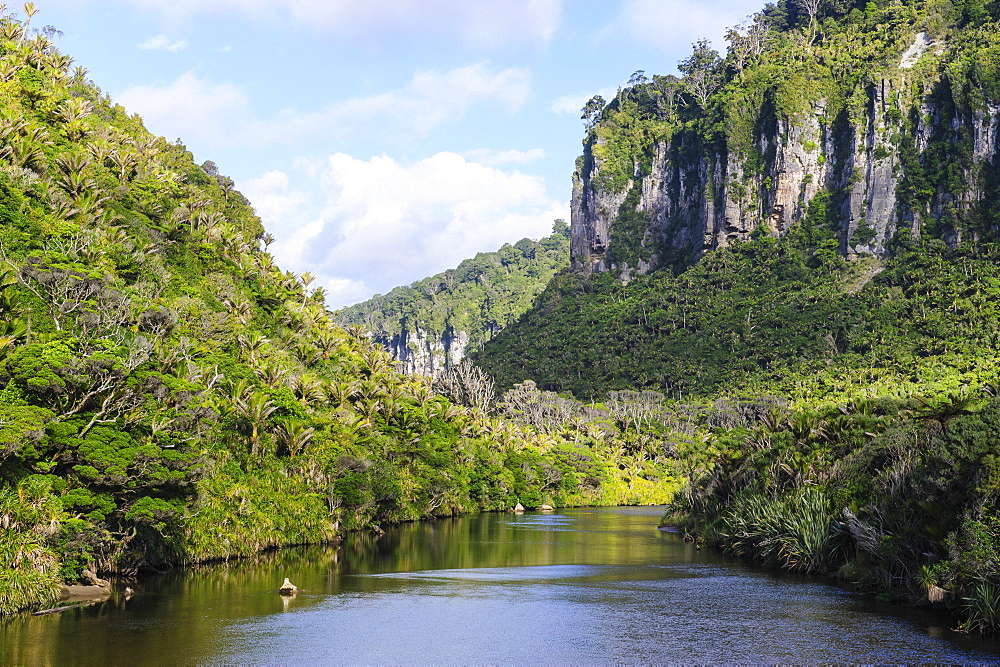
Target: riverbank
(237, 514)
(805, 534)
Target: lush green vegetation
(765, 316)
(826, 418)
(826, 415)
(169, 395)
(479, 298)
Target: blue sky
(382, 141)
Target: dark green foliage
(626, 245)
(761, 313)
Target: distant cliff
(434, 323)
(885, 125)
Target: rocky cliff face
(906, 154)
(417, 353)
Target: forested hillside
(795, 246)
(168, 395)
(434, 323)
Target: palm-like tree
(308, 389)
(29, 11)
(100, 150)
(79, 76)
(28, 155)
(377, 362)
(272, 374)
(944, 408)
(73, 177)
(252, 344)
(256, 410)
(125, 164)
(294, 436)
(327, 342)
(242, 310)
(340, 393)
(11, 31)
(60, 63)
(75, 109)
(306, 353)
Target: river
(573, 586)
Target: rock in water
(519, 507)
(288, 588)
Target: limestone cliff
(418, 353)
(897, 150)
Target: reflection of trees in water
(185, 615)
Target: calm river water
(574, 586)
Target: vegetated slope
(169, 395)
(766, 316)
(815, 219)
(434, 323)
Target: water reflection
(569, 587)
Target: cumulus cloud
(380, 22)
(163, 43)
(673, 25)
(199, 110)
(384, 223)
(190, 108)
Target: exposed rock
(519, 507)
(920, 44)
(700, 197)
(88, 577)
(546, 508)
(84, 592)
(417, 353)
(288, 588)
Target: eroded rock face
(699, 199)
(417, 353)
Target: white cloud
(673, 25)
(219, 114)
(432, 97)
(381, 22)
(573, 104)
(384, 224)
(496, 158)
(272, 196)
(189, 108)
(163, 43)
